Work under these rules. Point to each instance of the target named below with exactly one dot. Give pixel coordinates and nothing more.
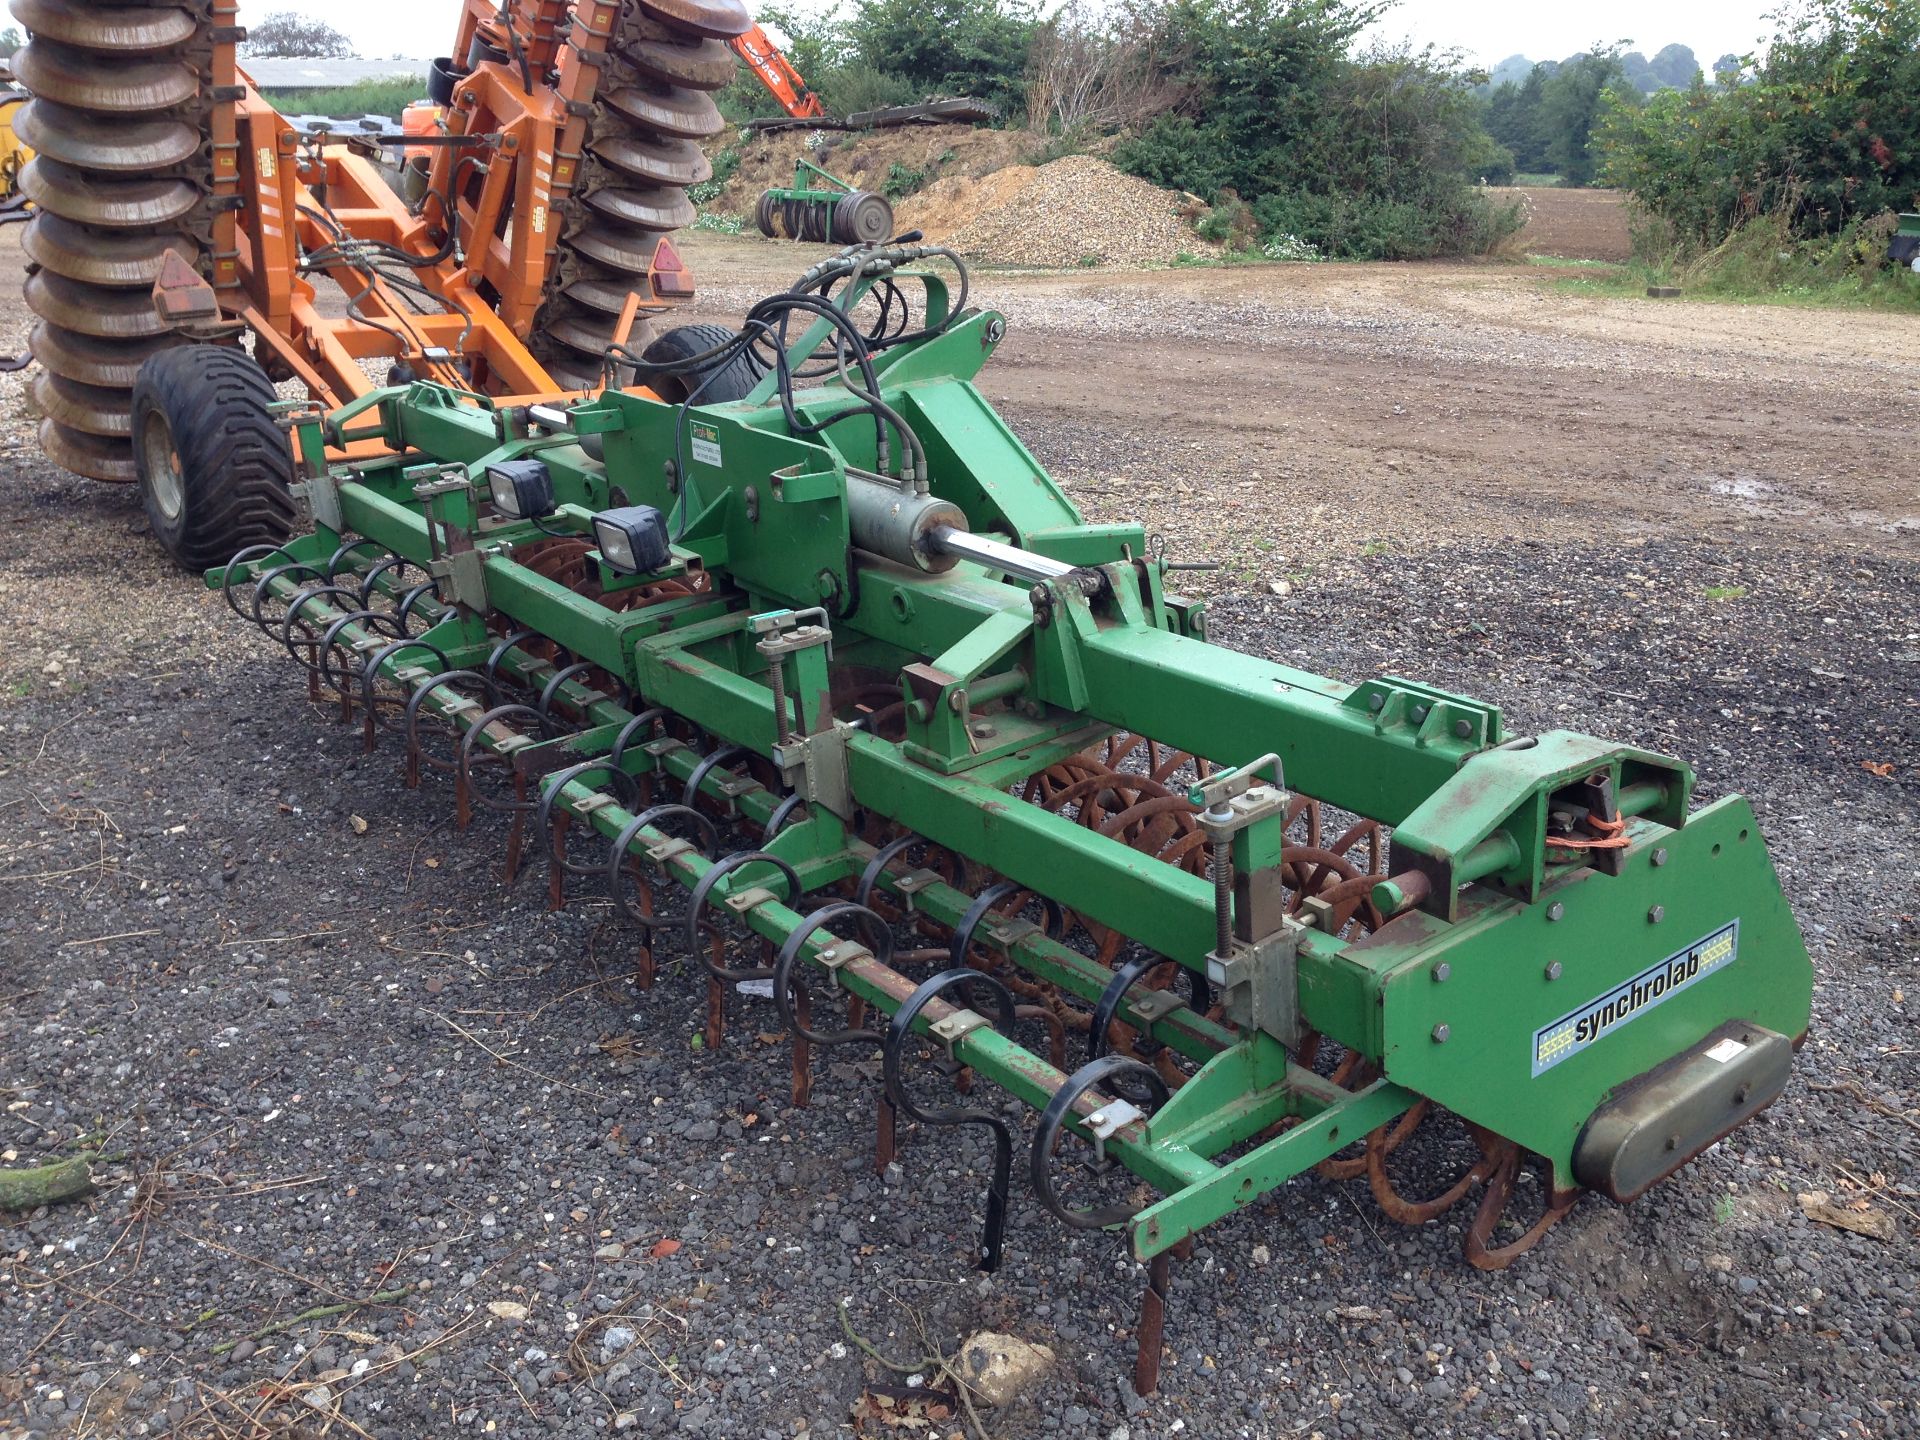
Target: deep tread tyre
(733, 380)
(215, 472)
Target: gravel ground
(332, 1058)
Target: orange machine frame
(507, 186)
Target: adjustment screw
(1440, 1034)
(1556, 911)
(1656, 914)
(1553, 970)
(1441, 972)
(1660, 856)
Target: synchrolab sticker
(1577, 1029)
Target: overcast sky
(1487, 31)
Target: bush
(1824, 132)
(1365, 157)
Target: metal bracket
(816, 766)
(836, 957)
(1004, 932)
(667, 849)
(1260, 984)
(749, 899)
(1154, 1006)
(1109, 1120)
(463, 578)
(954, 1028)
(909, 885)
(322, 494)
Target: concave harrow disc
(121, 121)
(642, 152)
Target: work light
(633, 540)
(522, 489)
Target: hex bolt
(1420, 712)
(1440, 1034)
(1660, 856)
(1376, 701)
(1556, 911)
(1463, 728)
(1441, 972)
(1553, 970)
(1656, 914)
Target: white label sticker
(706, 444)
(762, 988)
(1725, 1050)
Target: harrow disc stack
(123, 119)
(653, 108)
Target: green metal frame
(1495, 932)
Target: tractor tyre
(717, 384)
(215, 471)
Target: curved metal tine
(554, 826)
(403, 612)
(466, 791)
(1481, 1253)
(782, 816)
(795, 1002)
(491, 669)
(396, 563)
(960, 948)
(347, 680)
(347, 547)
(252, 554)
(551, 691)
(370, 679)
(1125, 977)
(296, 603)
(899, 1031)
(620, 870)
(416, 752)
(719, 977)
(1106, 1073)
(713, 760)
(262, 587)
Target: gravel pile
(1077, 210)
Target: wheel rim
(160, 466)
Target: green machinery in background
(1904, 248)
(820, 675)
(823, 208)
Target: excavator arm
(776, 72)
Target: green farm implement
(1904, 248)
(818, 675)
(823, 208)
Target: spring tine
(802, 1054)
(517, 829)
(898, 1033)
(556, 872)
(1054, 1118)
(252, 555)
(716, 1032)
(886, 1134)
(1056, 1031)
(1153, 1325)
